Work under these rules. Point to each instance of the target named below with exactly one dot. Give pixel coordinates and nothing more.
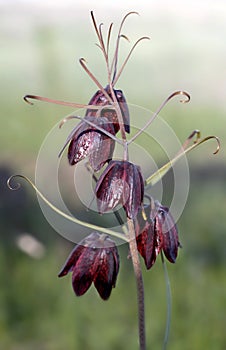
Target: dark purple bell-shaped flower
(120, 183)
(166, 227)
(157, 232)
(149, 242)
(99, 99)
(87, 141)
(95, 259)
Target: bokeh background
(40, 44)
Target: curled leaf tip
(145, 38)
(66, 119)
(9, 183)
(62, 123)
(82, 60)
(132, 13)
(183, 93)
(210, 138)
(124, 37)
(218, 144)
(154, 178)
(26, 97)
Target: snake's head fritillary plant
(149, 229)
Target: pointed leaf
(158, 175)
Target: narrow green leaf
(66, 216)
(158, 175)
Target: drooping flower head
(87, 141)
(166, 226)
(95, 259)
(157, 232)
(99, 99)
(120, 183)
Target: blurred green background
(40, 44)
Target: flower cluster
(121, 183)
(150, 228)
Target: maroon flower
(165, 226)
(99, 99)
(120, 183)
(158, 232)
(148, 242)
(95, 259)
(87, 141)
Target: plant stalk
(139, 283)
(132, 236)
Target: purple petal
(109, 187)
(120, 183)
(85, 270)
(146, 242)
(170, 241)
(89, 141)
(124, 109)
(102, 146)
(80, 147)
(71, 260)
(105, 275)
(99, 99)
(135, 182)
(114, 251)
(96, 260)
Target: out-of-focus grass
(41, 312)
(43, 59)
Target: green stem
(60, 212)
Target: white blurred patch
(30, 245)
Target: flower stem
(139, 283)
